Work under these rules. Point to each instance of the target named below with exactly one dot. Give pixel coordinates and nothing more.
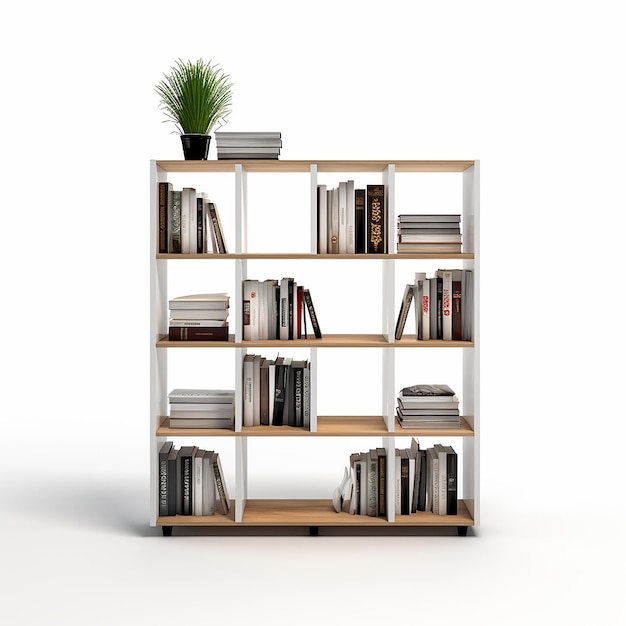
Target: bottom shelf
(314, 513)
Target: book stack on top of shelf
(276, 392)
(274, 309)
(428, 406)
(253, 145)
(189, 223)
(199, 317)
(443, 305)
(429, 233)
(351, 221)
(202, 408)
(191, 482)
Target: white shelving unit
(382, 427)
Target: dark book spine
(289, 415)
(375, 220)
(222, 501)
(200, 225)
(265, 408)
(163, 468)
(172, 483)
(186, 484)
(163, 216)
(405, 501)
(382, 482)
(359, 221)
(421, 498)
(299, 297)
(195, 333)
(217, 230)
(439, 308)
(298, 374)
(290, 310)
(451, 497)
(174, 223)
(457, 323)
(312, 315)
(279, 395)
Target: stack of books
(431, 233)
(199, 317)
(428, 406)
(202, 408)
(253, 145)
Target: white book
(199, 314)
(196, 323)
(201, 396)
(350, 217)
(306, 396)
(432, 492)
(201, 301)
(425, 309)
(433, 308)
(262, 310)
(343, 218)
(208, 484)
(196, 493)
(250, 309)
(322, 220)
(247, 401)
(188, 208)
(333, 233)
(398, 494)
(363, 485)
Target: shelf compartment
(327, 426)
(362, 340)
(199, 520)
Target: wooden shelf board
(360, 340)
(301, 166)
(327, 426)
(314, 513)
(310, 256)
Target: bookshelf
(380, 428)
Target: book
(359, 221)
(428, 248)
(432, 491)
(208, 483)
(264, 405)
(207, 301)
(164, 454)
(372, 483)
(174, 238)
(187, 213)
(203, 411)
(201, 396)
(197, 482)
(405, 306)
(198, 333)
(382, 481)
(223, 501)
(404, 218)
(201, 422)
(441, 484)
(322, 219)
(451, 483)
(247, 394)
(375, 218)
(165, 202)
(312, 314)
(172, 481)
(405, 493)
(280, 385)
(427, 391)
(216, 225)
(186, 455)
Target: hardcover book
(376, 232)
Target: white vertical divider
(158, 326)
(241, 273)
(471, 356)
(313, 171)
(388, 296)
(389, 443)
(241, 476)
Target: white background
(534, 90)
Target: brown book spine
(164, 189)
(375, 220)
(195, 333)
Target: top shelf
(278, 166)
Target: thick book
(198, 333)
(165, 201)
(216, 225)
(202, 422)
(206, 301)
(427, 391)
(186, 456)
(372, 483)
(359, 221)
(312, 314)
(187, 208)
(164, 454)
(201, 396)
(452, 487)
(376, 232)
(223, 501)
(174, 242)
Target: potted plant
(195, 97)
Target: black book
(297, 369)
(279, 391)
(382, 482)
(451, 475)
(186, 456)
(375, 222)
(200, 225)
(288, 407)
(423, 478)
(359, 221)
(291, 291)
(172, 482)
(405, 496)
(439, 309)
(312, 314)
(164, 453)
